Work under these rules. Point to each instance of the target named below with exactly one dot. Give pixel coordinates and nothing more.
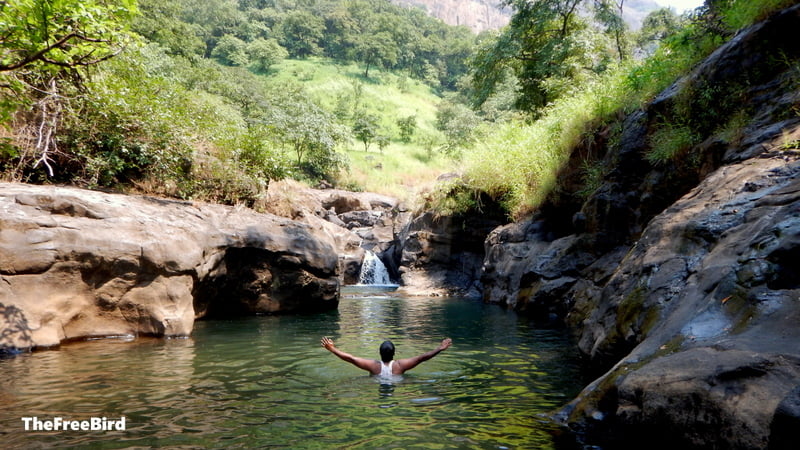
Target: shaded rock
(785, 422)
(682, 401)
(77, 264)
(358, 219)
(443, 255)
(680, 280)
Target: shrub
(668, 142)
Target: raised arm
(410, 363)
(370, 365)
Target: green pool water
(265, 382)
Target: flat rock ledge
(77, 264)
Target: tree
(231, 51)
(366, 129)
(302, 33)
(214, 19)
(376, 49)
(656, 27)
(609, 13)
(383, 142)
(62, 34)
(161, 22)
(536, 45)
(43, 44)
(459, 124)
(312, 133)
(264, 53)
(544, 47)
(407, 125)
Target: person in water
(387, 365)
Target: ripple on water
(266, 382)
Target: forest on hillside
(192, 99)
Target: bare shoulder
(372, 366)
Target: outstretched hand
(327, 343)
(445, 344)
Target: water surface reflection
(266, 382)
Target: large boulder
(443, 254)
(703, 313)
(76, 264)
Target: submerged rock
(76, 264)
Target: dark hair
(387, 351)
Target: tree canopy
(373, 32)
(62, 33)
(548, 46)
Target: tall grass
(519, 163)
(737, 14)
(343, 89)
(402, 170)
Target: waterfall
(373, 272)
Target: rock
(479, 15)
(360, 219)
(682, 401)
(785, 422)
(443, 255)
(680, 281)
(76, 264)
(353, 221)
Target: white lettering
(60, 424)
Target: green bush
(669, 142)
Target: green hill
(400, 169)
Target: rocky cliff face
(681, 281)
(478, 15)
(482, 15)
(76, 264)
(443, 255)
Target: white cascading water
(373, 272)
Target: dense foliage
(200, 98)
(189, 105)
(519, 163)
(249, 33)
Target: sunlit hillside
(399, 169)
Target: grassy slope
(401, 170)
